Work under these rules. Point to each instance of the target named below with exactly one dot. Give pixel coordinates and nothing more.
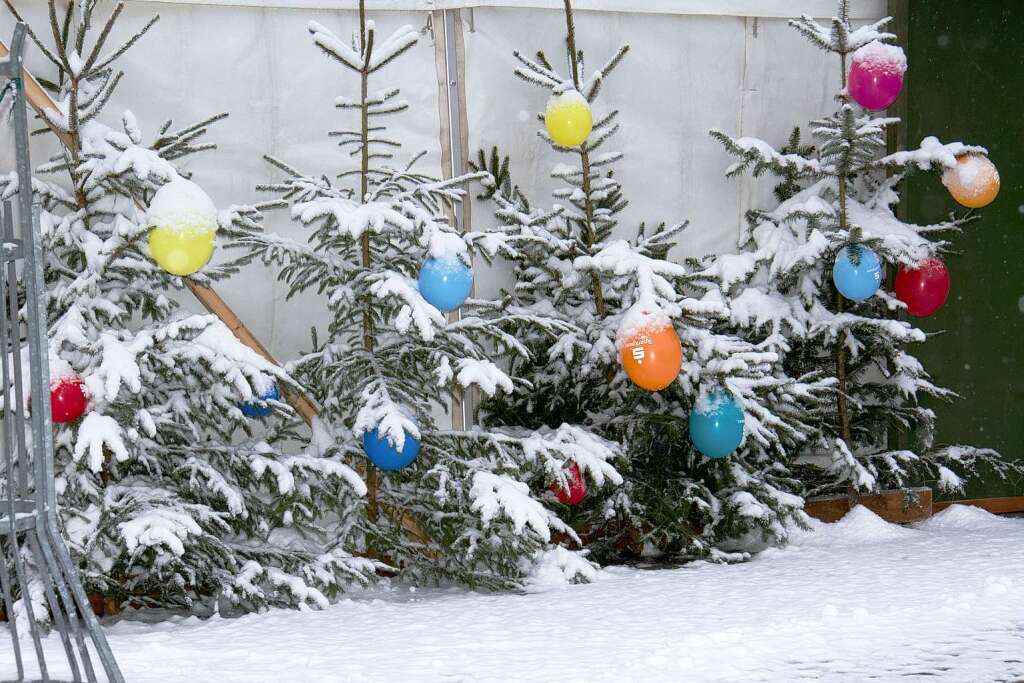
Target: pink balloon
(873, 88)
(876, 75)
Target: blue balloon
(256, 409)
(387, 457)
(717, 432)
(445, 282)
(857, 272)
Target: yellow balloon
(568, 118)
(181, 251)
(183, 226)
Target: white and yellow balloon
(568, 118)
(183, 226)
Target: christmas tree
(444, 504)
(573, 264)
(170, 494)
(808, 272)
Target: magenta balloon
(874, 86)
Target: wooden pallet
(897, 506)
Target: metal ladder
(31, 549)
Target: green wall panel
(966, 82)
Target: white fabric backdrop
(685, 74)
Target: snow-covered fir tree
(842, 191)
(470, 507)
(572, 264)
(168, 494)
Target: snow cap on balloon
(577, 490)
(876, 75)
(183, 225)
(649, 347)
(923, 288)
(716, 424)
(973, 182)
(568, 118)
(857, 272)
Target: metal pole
(52, 557)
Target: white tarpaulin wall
(686, 72)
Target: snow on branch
(653, 276)
(335, 47)
(96, 433)
(378, 412)
(399, 41)
(760, 155)
(837, 37)
(555, 448)
(413, 309)
(353, 218)
(534, 72)
(929, 155)
(483, 374)
(496, 495)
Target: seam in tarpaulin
(781, 9)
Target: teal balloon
(385, 456)
(857, 272)
(261, 408)
(445, 282)
(717, 430)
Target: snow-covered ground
(853, 601)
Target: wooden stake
(41, 102)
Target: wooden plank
(896, 506)
(997, 506)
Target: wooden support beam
(41, 102)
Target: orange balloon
(652, 357)
(974, 183)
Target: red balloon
(68, 399)
(577, 487)
(924, 288)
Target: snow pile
(558, 568)
(966, 518)
(941, 601)
(860, 526)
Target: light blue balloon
(718, 430)
(387, 457)
(445, 282)
(257, 409)
(857, 272)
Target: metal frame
(32, 549)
